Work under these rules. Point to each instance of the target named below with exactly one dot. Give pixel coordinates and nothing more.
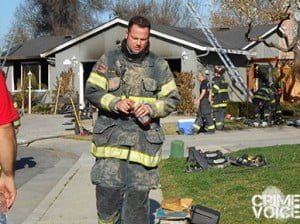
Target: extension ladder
(236, 80)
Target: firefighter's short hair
(219, 70)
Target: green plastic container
(177, 149)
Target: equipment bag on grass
(249, 160)
(198, 160)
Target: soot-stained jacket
(148, 80)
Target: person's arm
(202, 94)
(8, 145)
(8, 152)
(197, 99)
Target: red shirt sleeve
(8, 113)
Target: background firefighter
(204, 109)
(277, 116)
(262, 100)
(127, 84)
(219, 96)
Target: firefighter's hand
(124, 106)
(196, 102)
(141, 110)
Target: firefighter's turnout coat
(115, 77)
(220, 92)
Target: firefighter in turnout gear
(204, 109)
(262, 100)
(219, 96)
(132, 89)
(276, 107)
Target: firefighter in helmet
(219, 96)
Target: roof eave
(260, 37)
(36, 57)
(83, 36)
(154, 32)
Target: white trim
(21, 78)
(49, 77)
(12, 77)
(260, 37)
(154, 32)
(40, 76)
(81, 87)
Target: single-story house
(185, 49)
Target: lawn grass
(230, 189)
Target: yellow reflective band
(112, 220)
(139, 99)
(219, 123)
(216, 87)
(102, 221)
(167, 88)
(223, 91)
(196, 126)
(160, 105)
(261, 97)
(211, 127)
(98, 80)
(219, 105)
(106, 100)
(122, 153)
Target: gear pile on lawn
(200, 161)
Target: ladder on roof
(236, 80)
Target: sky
(8, 8)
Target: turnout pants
(134, 205)
(262, 110)
(204, 116)
(122, 190)
(219, 114)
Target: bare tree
(168, 12)
(236, 12)
(35, 18)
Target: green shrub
(291, 109)
(246, 109)
(233, 109)
(42, 109)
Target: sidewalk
(72, 200)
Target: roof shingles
(33, 48)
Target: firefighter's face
(200, 77)
(137, 38)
